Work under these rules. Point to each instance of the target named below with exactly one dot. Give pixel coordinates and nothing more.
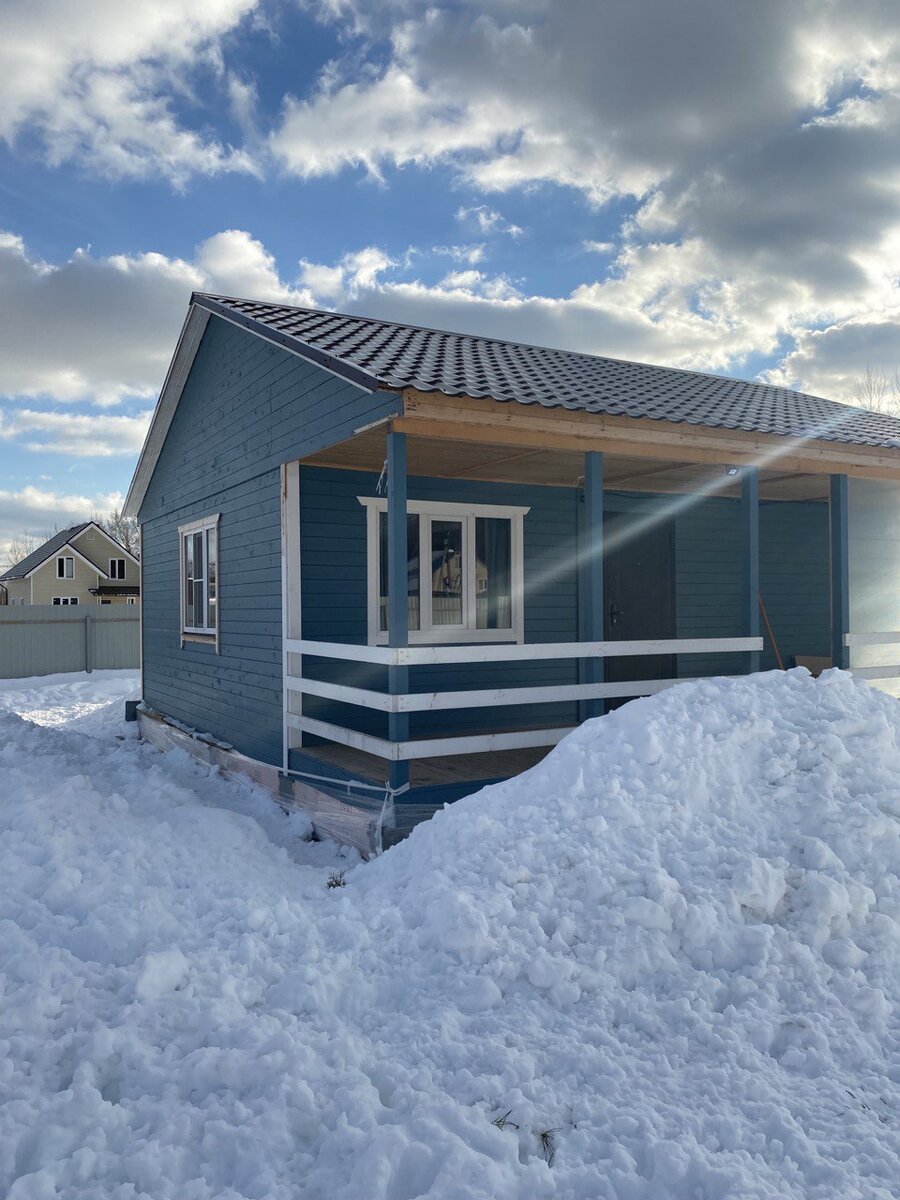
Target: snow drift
(663, 963)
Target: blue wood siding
(794, 578)
(709, 582)
(333, 578)
(246, 408)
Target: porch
(651, 555)
(701, 528)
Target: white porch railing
(408, 702)
(891, 638)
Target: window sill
(208, 639)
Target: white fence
(45, 639)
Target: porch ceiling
(459, 459)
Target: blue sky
(712, 185)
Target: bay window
(199, 562)
(464, 566)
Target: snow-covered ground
(664, 963)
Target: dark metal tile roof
(386, 354)
(36, 557)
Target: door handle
(614, 613)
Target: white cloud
(755, 146)
(337, 284)
(477, 283)
(322, 280)
(603, 98)
(367, 123)
(363, 267)
(102, 328)
(95, 81)
(461, 279)
(833, 361)
(38, 511)
(471, 253)
(488, 220)
(76, 434)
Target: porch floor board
(432, 772)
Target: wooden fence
(45, 639)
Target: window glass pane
(412, 573)
(60, 568)
(446, 573)
(493, 573)
(199, 599)
(212, 552)
(382, 571)
(74, 600)
(188, 578)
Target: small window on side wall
(117, 568)
(199, 562)
(65, 567)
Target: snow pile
(92, 703)
(683, 927)
(664, 963)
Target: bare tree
(20, 547)
(879, 391)
(124, 529)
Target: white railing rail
(872, 639)
(422, 656)
(888, 638)
(409, 702)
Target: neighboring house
(81, 565)
(596, 530)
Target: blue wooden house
(385, 564)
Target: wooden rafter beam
(489, 422)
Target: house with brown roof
(386, 564)
(80, 565)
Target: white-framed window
(65, 600)
(65, 567)
(465, 573)
(117, 568)
(130, 600)
(199, 558)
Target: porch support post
(593, 569)
(750, 558)
(398, 586)
(840, 572)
